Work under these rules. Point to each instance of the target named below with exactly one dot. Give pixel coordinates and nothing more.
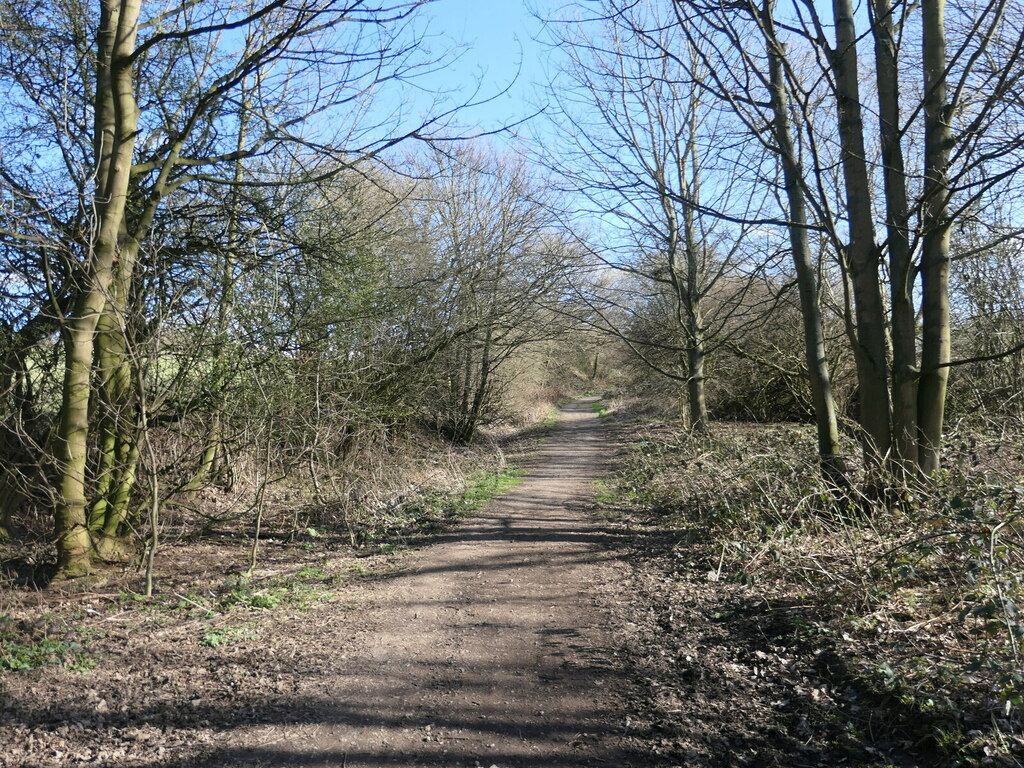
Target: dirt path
(487, 650)
(530, 636)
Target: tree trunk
(74, 544)
(106, 466)
(116, 120)
(691, 301)
(862, 252)
(695, 388)
(208, 459)
(692, 298)
(472, 417)
(904, 338)
(120, 497)
(935, 346)
(116, 411)
(832, 464)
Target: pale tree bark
(683, 259)
(935, 311)
(696, 399)
(692, 297)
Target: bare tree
(498, 260)
(902, 391)
(648, 151)
(176, 96)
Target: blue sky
(498, 39)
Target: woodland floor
(534, 633)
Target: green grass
(17, 656)
(600, 408)
(484, 486)
(428, 511)
(553, 416)
(214, 638)
(606, 492)
(303, 588)
(254, 598)
(550, 421)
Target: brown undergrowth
(851, 633)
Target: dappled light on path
(488, 650)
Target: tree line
(213, 243)
(221, 236)
(865, 159)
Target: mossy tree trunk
(116, 122)
(117, 420)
